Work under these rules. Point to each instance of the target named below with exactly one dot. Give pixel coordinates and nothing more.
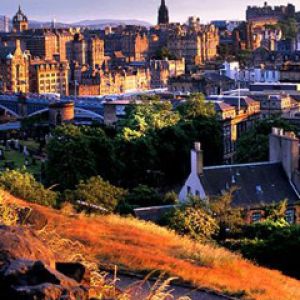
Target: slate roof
(222, 106)
(233, 100)
(258, 184)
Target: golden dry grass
(140, 246)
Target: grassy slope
(140, 246)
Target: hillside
(142, 247)
(91, 24)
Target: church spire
(163, 13)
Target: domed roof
(20, 16)
(9, 56)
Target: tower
(163, 14)
(20, 21)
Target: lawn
(19, 159)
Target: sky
(76, 10)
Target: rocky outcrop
(26, 280)
(22, 243)
(27, 270)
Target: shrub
(193, 220)
(144, 196)
(99, 192)
(24, 185)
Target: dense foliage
(194, 220)
(258, 138)
(99, 192)
(24, 185)
(151, 146)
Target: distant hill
(92, 24)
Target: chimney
(197, 159)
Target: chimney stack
(197, 159)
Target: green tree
(143, 195)
(99, 192)
(77, 153)
(258, 138)
(228, 217)
(164, 53)
(196, 106)
(22, 184)
(151, 115)
(289, 28)
(194, 220)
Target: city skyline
(139, 10)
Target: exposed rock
(36, 219)
(75, 271)
(21, 243)
(27, 270)
(25, 279)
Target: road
(139, 289)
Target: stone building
(88, 50)
(268, 14)
(162, 70)
(20, 21)
(98, 82)
(258, 184)
(132, 41)
(61, 112)
(237, 116)
(49, 76)
(4, 24)
(14, 69)
(196, 46)
(45, 43)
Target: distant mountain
(92, 24)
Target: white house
(257, 183)
(193, 184)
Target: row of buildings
(181, 57)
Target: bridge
(26, 107)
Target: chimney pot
(198, 146)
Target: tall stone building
(45, 43)
(196, 46)
(14, 69)
(88, 50)
(4, 24)
(49, 76)
(20, 21)
(162, 70)
(97, 82)
(163, 14)
(132, 41)
(268, 14)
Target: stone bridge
(21, 107)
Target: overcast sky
(75, 10)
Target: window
(189, 190)
(256, 217)
(198, 193)
(290, 216)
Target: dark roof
(233, 100)
(154, 213)
(222, 106)
(258, 184)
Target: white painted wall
(193, 181)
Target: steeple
(163, 14)
(20, 21)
